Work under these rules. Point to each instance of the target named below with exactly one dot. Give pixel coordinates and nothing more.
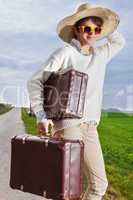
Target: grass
(116, 137)
(29, 122)
(5, 108)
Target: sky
(28, 36)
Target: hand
(58, 134)
(44, 126)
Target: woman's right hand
(43, 126)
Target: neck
(86, 47)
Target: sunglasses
(89, 29)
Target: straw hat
(65, 26)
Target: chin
(90, 41)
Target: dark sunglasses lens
(97, 30)
(87, 29)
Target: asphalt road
(10, 125)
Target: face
(84, 37)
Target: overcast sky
(28, 36)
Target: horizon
(114, 109)
(27, 40)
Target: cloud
(28, 36)
(119, 96)
(120, 93)
(27, 16)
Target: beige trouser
(94, 168)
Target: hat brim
(65, 26)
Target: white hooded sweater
(71, 55)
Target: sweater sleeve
(35, 83)
(115, 43)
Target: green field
(116, 136)
(5, 108)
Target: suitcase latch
(46, 142)
(44, 193)
(21, 187)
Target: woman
(80, 31)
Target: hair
(96, 20)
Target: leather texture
(64, 94)
(49, 167)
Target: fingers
(41, 132)
(51, 123)
(45, 127)
(41, 129)
(48, 127)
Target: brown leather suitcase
(49, 167)
(64, 94)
